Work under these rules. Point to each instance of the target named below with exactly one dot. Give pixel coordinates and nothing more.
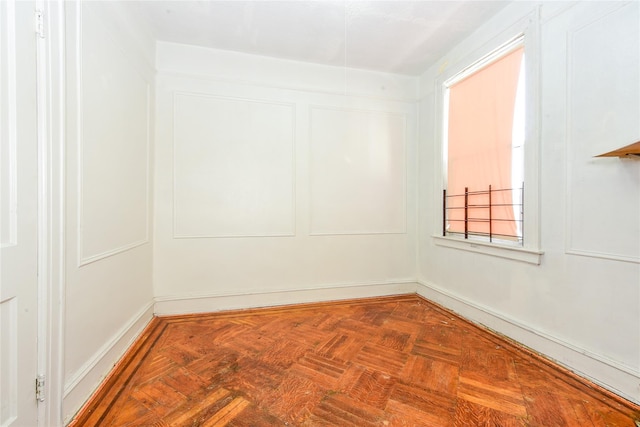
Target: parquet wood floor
(396, 361)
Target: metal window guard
(477, 210)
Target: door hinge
(40, 388)
(40, 23)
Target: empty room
(331, 213)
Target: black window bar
(488, 218)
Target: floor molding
(612, 376)
(124, 369)
(83, 382)
(177, 305)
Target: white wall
(580, 306)
(109, 293)
(279, 181)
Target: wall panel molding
(181, 61)
(140, 236)
(85, 380)
(218, 189)
(599, 201)
(602, 255)
(8, 125)
(9, 360)
(206, 78)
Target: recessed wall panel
(604, 112)
(233, 167)
(8, 361)
(8, 124)
(114, 146)
(357, 172)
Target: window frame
(523, 33)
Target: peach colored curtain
(481, 109)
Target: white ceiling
(404, 37)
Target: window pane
(480, 131)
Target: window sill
(493, 249)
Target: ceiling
(403, 37)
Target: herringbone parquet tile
(398, 361)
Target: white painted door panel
(18, 215)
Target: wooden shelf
(626, 151)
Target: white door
(18, 215)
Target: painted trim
(529, 26)
(92, 415)
(516, 253)
(602, 255)
(171, 74)
(569, 245)
(171, 305)
(180, 61)
(83, 382)
(51, 214)
(9, 346)
(8, 119)
(484, 62)
(609, 374)
(88, 259)
(93, 258)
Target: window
(484, 119)
(488, 128)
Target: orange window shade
(481, 113)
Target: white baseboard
(210, 303)
(614, 376)
(81, 385)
